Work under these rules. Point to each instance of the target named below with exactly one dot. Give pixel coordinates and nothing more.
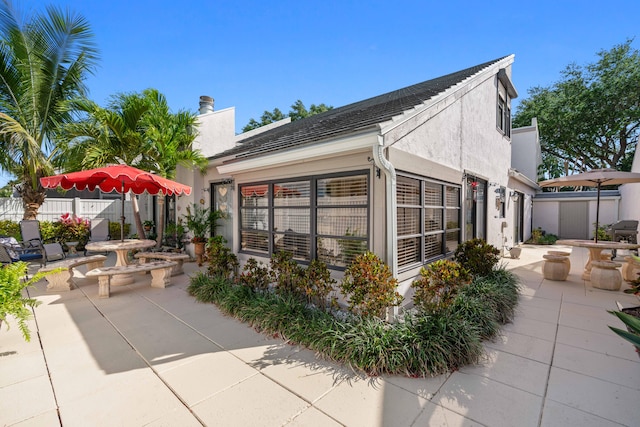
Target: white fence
(12, 209)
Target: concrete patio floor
(156, 357)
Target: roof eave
(363, 139)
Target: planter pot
(198, 250)
(515, 252)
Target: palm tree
(110, 135)
(138, 130)
(44, 61)
(171, 136)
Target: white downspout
(391, 204)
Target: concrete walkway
(156, 357)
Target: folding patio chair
(98, 231)
(32, 238)
(11, 251)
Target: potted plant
(630, 316)
(13, 305)
(200, 221)
(148, 225)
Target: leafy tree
(44, 60)
(590, 119)
(171, 141)
(298, 111)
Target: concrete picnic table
(595, 250)
(121, 248)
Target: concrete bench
(160, 274)
(62, 280)
(167, 256)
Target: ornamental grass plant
(419, 344)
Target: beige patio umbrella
(593, 178)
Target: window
(428, 216)
(506, 92)
(325, 217)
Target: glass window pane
(408, 221)
(350, 190)
(339, 252)
(296, 244)
(291, 193)
(255, 219)
(453, 197)
(408, 191)
(453, 239)
(432, 194)
(432, 245)
(285, 219)
(342, 221)
(408, 251)
(432, 219)
(453, 218)
(254, 195)
(255, 241)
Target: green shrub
(602, 232)
(438, 285)
(477, 256)
(12, 303)
(10, 228)
(317, 285)
(540, 237)
(114, 230)
(286, 273)
(49, 231)
(255, 275)
(222, 261)
(420, 345)
(501, 293)
(369, 286)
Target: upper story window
(506, 92)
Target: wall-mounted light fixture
(514, 196)
(372, 161)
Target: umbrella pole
(122, 215)
(598, 211)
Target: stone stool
(605, 275)
(555, 267)
(630, 269)
(563, 254)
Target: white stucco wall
(630, 204)
(216, 131)
(546, 214)
(459, 132)
(525, 150)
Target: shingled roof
(348, 119)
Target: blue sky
(257, 55)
